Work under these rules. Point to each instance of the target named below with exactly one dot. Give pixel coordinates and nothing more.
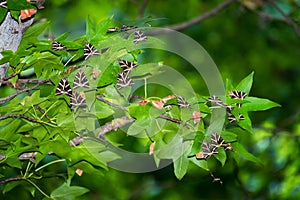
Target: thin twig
(177, 121)
(100, 98)
(5, 99)
(26, 81)
(201, 17)
(10, 179)
(8, 77)
(142, 8)
(286, 18)
(113, 125)
(42, 111)
(17, 116)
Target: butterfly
(139, 36)
(77, 100)
(124, 80)
(89, 51)
(126, 65)
(206, 152)
(232, 118)
(63, 87)
(58, 46)
(127, 28)
(182, 103)
(237, 95)
(80, 80)
(3, 4)
(216, 141)
(123, 28)
(219, 102)
(27, 14)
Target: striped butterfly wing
(77, 100)
(63, 87)
(216, 141)
(237, 95)
(127, 28)
(182, 103)
(56, 46)
(139, 36)
(124, 80)
(208, 150)
(89, 51)
(80, 80)
(232, 118)
(126, 65)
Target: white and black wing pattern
(182, 103)
(80, 80)
(63, 87)
(77, 100)
(89, 51)
(216, 141)
(237, 95)
(126, 65)
(122, 29)
(113, 30)
(127, 28)
(124, 80)
(139, 36)
(232, 118)
(56, 46)
(208, 150)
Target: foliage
(46, 123)
(53, 135)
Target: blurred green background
(239, 41)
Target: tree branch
(17, 116)
(201, 17)
(5, 99)
(114, 125)
(287, 19)
(11, 33)
(101, 131)
(177, 121)
(100, 98)
(142, 8)
(11, 179)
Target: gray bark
(11, 33)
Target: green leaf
(181, 164)
(18, 4)
(3, 12)
(200, 163)
(241, 151)
(33, 32)
(139, 112)
(65, 192)
(246, 84)
(139, 126)
(259, 104)
(221, 156)
(95, 32)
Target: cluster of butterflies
(238, 95)
(81, 81)
(209, 149)
(124, 79)
(90, 50)
(64, 88)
